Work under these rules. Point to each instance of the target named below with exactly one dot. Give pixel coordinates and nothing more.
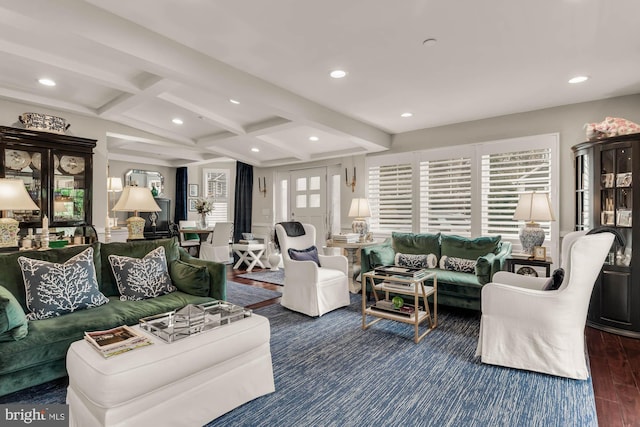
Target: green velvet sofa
(40, 355)
(455, 288)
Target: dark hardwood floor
(615, 367)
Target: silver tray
(172, 326)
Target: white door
(308, 200)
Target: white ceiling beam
(138, 124)
(150, 88)
(21, 96)
(287, 148)
(218, 120)
(275, 124)
(147, 160)
(185, 64)
(80, 69)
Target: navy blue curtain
(181, 195)
(243, 200)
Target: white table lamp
(533, 207)
(114, 185)
(136, 199)
(13, 196)
(360, 211)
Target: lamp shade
(114, 184)
(14, 196)
(534, 207)
(360, 208)
(136, 199)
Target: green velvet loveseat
(484, 256)
(40, 355)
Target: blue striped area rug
(329, 372)
(245, 295)
(275, 277)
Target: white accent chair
(526, 327)
(189, 244)
(216, 248)
(310, 289)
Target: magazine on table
(401, 271)
(116, 341)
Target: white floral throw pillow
(142, 278)
(53, 289)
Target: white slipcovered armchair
(310, 289)
(216, 248)
(526, 327)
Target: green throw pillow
(191, 279)
(13, 321)
(417, 244)
(463, 247)
(383, 255)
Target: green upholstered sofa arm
(499, 260)
(365, 255)
(217, 274)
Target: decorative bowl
(247, 236)
(43, 122)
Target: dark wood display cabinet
(58, 173)
(605, 171)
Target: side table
(526, 264)
(352, 252)
(249, 253)
(414, 287)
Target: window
(390, 197)
(216, 187)
(504, 177)
(468, 190)
(445, 196)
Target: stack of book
(404, 272)
(116, 341)
(346, 238)
(248, 242)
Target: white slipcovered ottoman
(187, 383)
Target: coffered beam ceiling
(142, 63)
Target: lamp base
(531, 235)
(360, 226)
(135, 225)
(8, 232)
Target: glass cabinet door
(69, 187)
(584, 214)
(27, 164)
(616, 199)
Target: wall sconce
(262, 186)
(351, 184)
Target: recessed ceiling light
(233, 101)
(338, 74)
(407, 114)
(255, 150)
(430, 42)
(47, 82)
(579, 79)
(314, 138)
(177, 121)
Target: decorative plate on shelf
(16, 159)
(36, 160)
(72, 164)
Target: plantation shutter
(445, 196)
(217, 189)
(504, 177)
(390, 197)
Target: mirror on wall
(144, 178)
